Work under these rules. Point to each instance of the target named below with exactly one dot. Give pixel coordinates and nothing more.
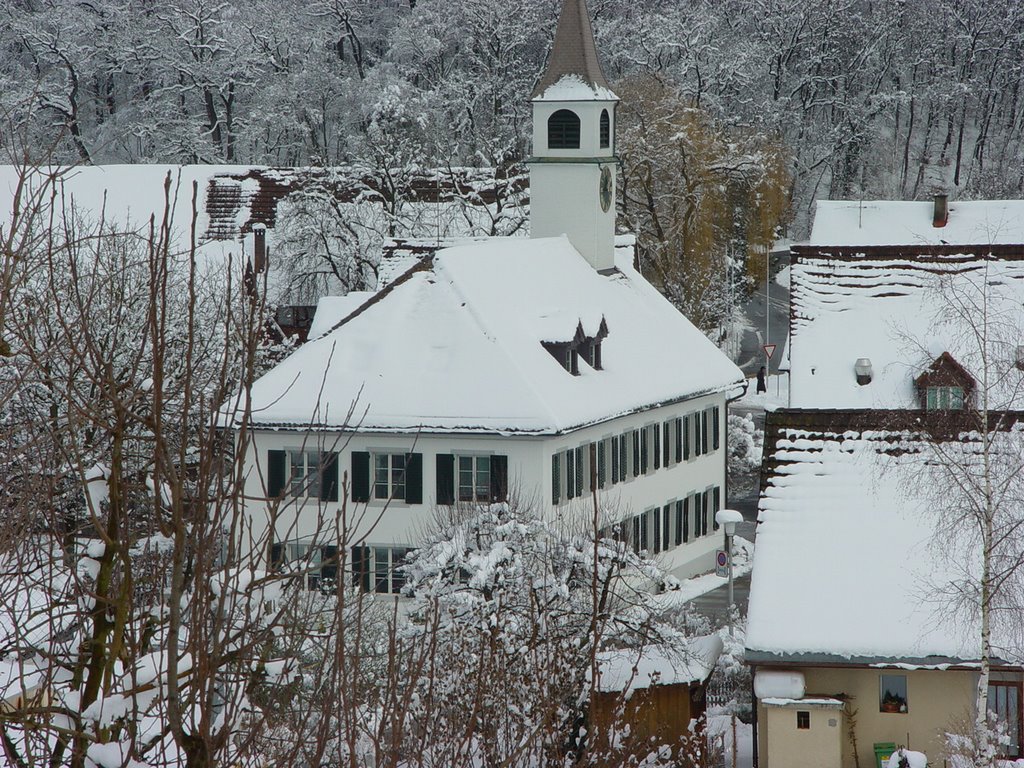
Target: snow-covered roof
(455, 345)
(627, 670)
(897, 310)
(888, 222)
(574, 88)
(331, 310)
(849, 565)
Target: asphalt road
(752, 354)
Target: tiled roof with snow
(455, 345)
(897, 306)
(850, 561)
(857, 223)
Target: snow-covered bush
(745, 443)
(516, 609)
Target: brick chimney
(940, 216)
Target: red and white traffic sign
(769, 349)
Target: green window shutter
(556, 479)
(499, 478)
(275, 473)
(328, 568)
(686, 437)
(414, 478)
(716, 503)
(361, 568)
(329, 477)
(716, 438)
(360, 476)
(445, 471)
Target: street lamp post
(728, 519)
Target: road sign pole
(728, 538)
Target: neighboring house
(852, 633)
(542, 370)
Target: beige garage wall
(936, 701)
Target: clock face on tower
(606, 188)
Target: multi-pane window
(571, 491)
(371, 567)
(1004, 707)
(666, 443)
(656, 434)
(304, 473)
(623, 457)
(386, 564)
(606, 129)
(389, 476)
(945, 398)
(645, 443)
(614, 451)
(602, 456)
(474, 474)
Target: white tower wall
(565, 199)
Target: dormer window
(606, 129)
(945, 386)
(568, 353)
(564, 130)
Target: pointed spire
(574, 51)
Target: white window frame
(394, 476)
(475, 471)
(303, 482)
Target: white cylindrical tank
(779, 684)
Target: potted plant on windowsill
(891, 703)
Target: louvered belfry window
(564, 130)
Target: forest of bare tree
(876, 98)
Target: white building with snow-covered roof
(546, 369)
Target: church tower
(572, 171)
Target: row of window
(373, 568)
(678, 522)
(577, 471)
(387, 476)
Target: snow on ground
(700, 585)
(720, 731)
(777, 395)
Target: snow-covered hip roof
(455, 345)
